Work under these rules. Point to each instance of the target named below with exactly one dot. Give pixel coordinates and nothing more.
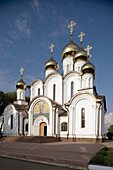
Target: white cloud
(21, 27)
(35, 6)
(108, 121)
(6, 81)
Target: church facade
(65, 106)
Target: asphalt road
(13, 164)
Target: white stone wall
(78, 64)
(67, 64)
(34, 89)
(61, 120)
(48, 87)
(87, 80)
(86, 101)
(10, 110)
(21, 94)
(49, 71)
(72, 77)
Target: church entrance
(43, 129)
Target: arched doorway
(43, 129)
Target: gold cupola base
(88, 68)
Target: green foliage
(106, 148)
(104, 157)
(98, 159)
(5, 99)
(103, 152)
(109, 135)
(110, 129)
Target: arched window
(26, 127)
(67, 67)
(89, 82)
(11, 121)
(83, 118)
(72, 89)
(78, 69)
(38, 91)
(64, 126)
(54, 92)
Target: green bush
(103, 152)
(106, 148)
(98, 159)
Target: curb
(46, 163)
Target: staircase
(30, 139)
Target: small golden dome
(81, 54)
(88, 68)
(21, 84)
(70, 48)
(51, 64)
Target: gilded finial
(81, 38)
(72, 24)
(88, 51)
(21, 71)
(51, 47)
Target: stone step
(30, 139)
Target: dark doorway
(45, 130)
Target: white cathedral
(65, 106)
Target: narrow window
(64, 126)
(38, 91)
(89, 82)
(11, 121)
(83, 118)
(26, 127)
(54, 92)
(68, 68)
(72, 89)
(79, 69)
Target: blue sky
(28, 27)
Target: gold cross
(81, 36)
(51, 47)
(71, 26)
(21, 71)
(88, 50)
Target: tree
(110, 132)
(110, 129)
(5, 99)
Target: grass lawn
(104, 157)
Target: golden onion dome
(51, 64)
(70, 48)
(88, 68)
(21, 84)
(80, 55)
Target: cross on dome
(51, 47)
(81, 36)
(88, 50)
(72, 24)
(21, 71)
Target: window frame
(83, 118)
(64, 126)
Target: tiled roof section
(20, 107)
(63, 114)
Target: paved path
(64, 154)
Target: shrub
(98, 159)
(103, 152)
(106, 148)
